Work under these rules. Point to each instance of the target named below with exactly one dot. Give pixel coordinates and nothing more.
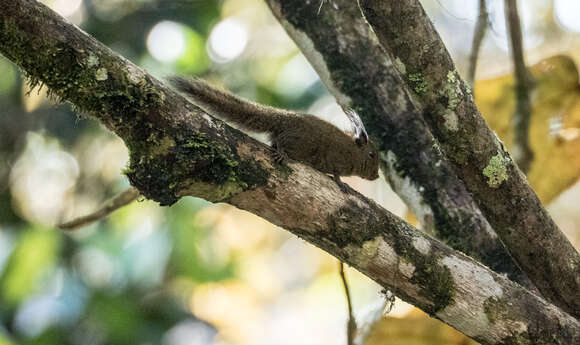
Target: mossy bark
(504, 196)
(177, 150)
(353, 65)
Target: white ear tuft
(360, 135)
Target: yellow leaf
(555, 122)
(416, 329)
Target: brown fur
(302, 137)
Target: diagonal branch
(522, 152)
(177, 150)
(345, 53)
(478, 157)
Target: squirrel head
(369, 164)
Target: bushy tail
(247, 115)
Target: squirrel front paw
(343, 186)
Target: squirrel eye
(372, 154)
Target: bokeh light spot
(166, 41)
(567, 13)
(65, 8)
(227, 40)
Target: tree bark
(345, 53)
(479, 158)
(177, 150)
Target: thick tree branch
(478, 35)
(177, 150)
(522, 152)
(352, 64)
(479, 158)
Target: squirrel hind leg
(279, 155)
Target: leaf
(555, 122)
(34, 254)
(415, 329)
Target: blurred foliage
(555, 122)
(416, 328)
(197, 273)
(35, 252)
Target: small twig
(320, 7)
(111, 205)
(522, 152)
(351, 325)
(478, 35)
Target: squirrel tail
(247, 115)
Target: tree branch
(478, 157)
(122, 199)
(522, 152)
(478, 36)
(177, 150)
(352, 64)
(351, 323)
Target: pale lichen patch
(92, 60)
(451, 120)
(210, 120)
(496, 170)
(135, 75)
(452, 91)
(400, 66)
(422, 245)
(478, 286)
(365, 254)
(406, 269)
(101, 74)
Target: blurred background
(197, 273)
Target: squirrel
(301, 137)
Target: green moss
(434, 279)
(160, 146)
(162, 169)
(166, 159)
(418, 83)
(251, 174)
(189, 163)
(96, 85)
(496, 309)
(436, 283)
(496, 170)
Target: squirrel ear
(362, 140)
(360, 134)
